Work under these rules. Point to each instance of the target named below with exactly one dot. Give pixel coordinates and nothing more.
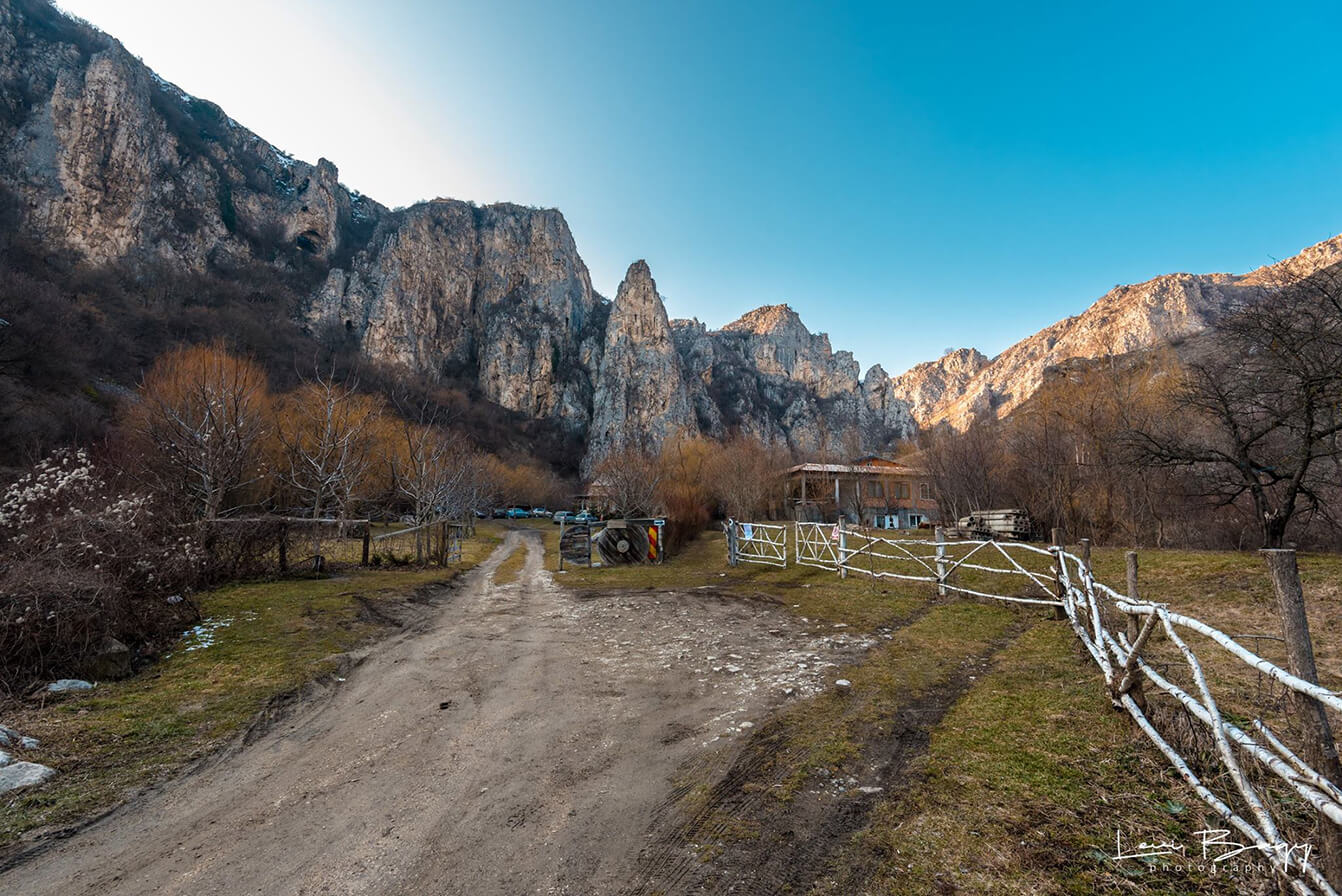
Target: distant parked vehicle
(539, 512)
(519, 513)
(585, 516)
(480, 514)
(499, 513)
(562, 516)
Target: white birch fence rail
(1246, 757)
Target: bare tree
(743, 474)
(966, 468)
(330, 436)
(1262, 406)
(629, 479)
(203, 414)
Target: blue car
(519, 513)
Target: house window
(874, 489)
(925, 491)
(902, 490)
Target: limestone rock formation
(767, 375)
(927, 385)
(108, 160)
(103, 163)
(961, 387)
(641, 397)
(495, 294)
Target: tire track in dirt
(742, 839)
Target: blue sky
(909, 178)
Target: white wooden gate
(816, 544)
(756, 543)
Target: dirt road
(519, 743)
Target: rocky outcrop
(109, 161)
(641, 397)
(767, 375)
(494, 294)
(927, 386)
(961, 386)
(102, 161)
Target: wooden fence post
(367, 541)
(1059, 612)
(1320, 748)
(731, 542)
(843, 543)
(284, 547)
(1133, 626)
(1134, 634)
(941, 561)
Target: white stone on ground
(23, 774)
(69, 684)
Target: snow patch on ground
(203, 635)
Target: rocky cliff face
(102, 161)
(496, 294)
(768, 375)
(109, 161)
(926, 386)
(641, 397)
(963, 385)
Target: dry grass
(511, 567)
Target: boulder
(24, 774)
(111, 662)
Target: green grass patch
(1026, 782)
(265, 639)
(829, 730)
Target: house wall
(864, 498)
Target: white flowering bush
(82, 561)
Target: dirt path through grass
(520, 744)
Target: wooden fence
(1253, 781)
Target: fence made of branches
(1282, 802)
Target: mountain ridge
(956, 390)
(110, 163)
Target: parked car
(585, 516)
(499, 513)
(562, 516)
(480, 514)
(518, 513)
(539, 512)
